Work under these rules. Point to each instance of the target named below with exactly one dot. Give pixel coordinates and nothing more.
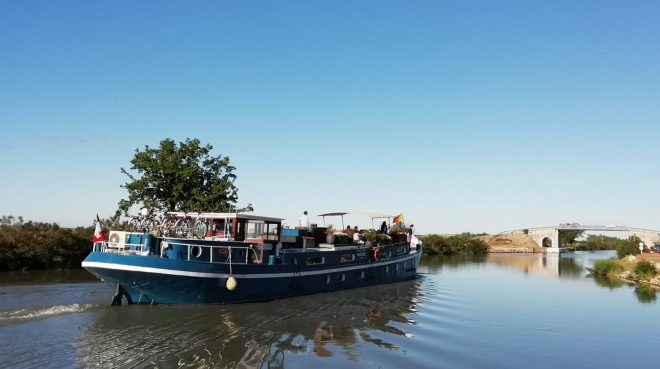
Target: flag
(398, 218)
(98, 233)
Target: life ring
(376, 254)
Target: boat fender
(376, 254)
(231, 283)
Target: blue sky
(479, 116)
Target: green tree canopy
(567, 237)
(182, 177)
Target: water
(500, 311)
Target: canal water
(499, 311)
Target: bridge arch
(546, 242)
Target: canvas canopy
(371, 214)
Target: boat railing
(125, 248)
(212, 250)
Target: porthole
(362, 275)
(196, 251)
(396, 267)
(327, 279)
(387, 269)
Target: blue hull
(150, 279)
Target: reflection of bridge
(548, 237)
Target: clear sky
(480, 116)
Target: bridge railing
(584, 227)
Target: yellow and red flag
(398, 218)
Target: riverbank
(628, 263)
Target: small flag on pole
(398, 218)
(98, 233)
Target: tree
(181, 178)
(567, 237)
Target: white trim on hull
(135, 268)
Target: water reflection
(550, 266)
(433, 264)
(645, 293)
(608, 282)
(573, 266)
(260, 335)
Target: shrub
(605, 267)
(434, 245)
(628, 247)
(34, 245)
(645, 270)
(463, 244)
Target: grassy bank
(631, 268)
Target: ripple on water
(35, 313)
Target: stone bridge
(548, 237)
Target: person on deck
(349, 231)
(383, 227)
(410, 232)
(304, 220)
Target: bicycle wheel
(168, 226)
(149, 225)
(201, 227)
(133, 224)
(181, 227)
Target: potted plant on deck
(330, 235)
(372, 238)
(398, 233)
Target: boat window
(400, 250)
(341, 277)
(223, 252)
(222, 227)
(254, 230)
(272, 231)
(315, 260)
(240, 230)
(196, 251)
(347, 257)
